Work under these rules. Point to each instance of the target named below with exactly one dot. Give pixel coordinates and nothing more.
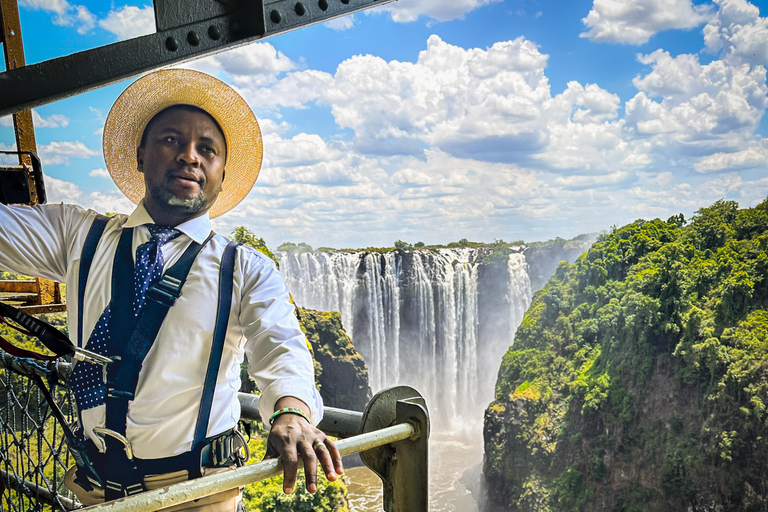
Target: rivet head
(193, 38)
(213, 32)
(323, 4)
(275, 16)
(172, 44)
(300, 10)
(345, 2)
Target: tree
(245, 236)
(402, 246)
(286, 247)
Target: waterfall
(520, 292)
(416, 316)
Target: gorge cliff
(638, 379)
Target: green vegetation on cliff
(245, 236)
(340, 371)
(638, 379)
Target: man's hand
(292, 438)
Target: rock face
(544, 257)
(638, 379)
(340, 371)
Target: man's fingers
(310, 466)
(335, 456)
(326, 461)
(290, 468)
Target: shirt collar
(197, 229)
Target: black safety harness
(117, 470)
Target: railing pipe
(151, 501)
(33, 490)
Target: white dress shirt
(47, 240)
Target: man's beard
(194, 204)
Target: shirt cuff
(295, 387)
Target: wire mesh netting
(33, 452)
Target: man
(185, 147)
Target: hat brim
(151, 94)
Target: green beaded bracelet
(289, 410)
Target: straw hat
(159, 90)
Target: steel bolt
(172, 44)
(300, 10)
(323, 4)
(213, 32)
(193, 38)
(275, 17)
(345, 2)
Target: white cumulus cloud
(60, 191)
(405, 11)
(110, 202)
(462, 101)
(755, 156)
(53, 121)
(61, 152)
(99, 173)
(130, 21)
(739, 32)
(635, 21)
(707, 107)
(342, 23)
(66, 14)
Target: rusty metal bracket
(184, 34)
(403, 466)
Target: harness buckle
(226, 449)
(244, 457)
(166, 291)
(102, 432)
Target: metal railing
(33, 456)
(391, 437)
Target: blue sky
(434, 120)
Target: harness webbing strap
(226, 283)
(52, 338)
(129, 342)
(160, 297)
(86, 259)
(129, 346)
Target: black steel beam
(39, 84)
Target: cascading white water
(414, 317)
(520, 292)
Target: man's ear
(140, 159)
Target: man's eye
(208, 150)
(170, 139)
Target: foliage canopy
(639, 376)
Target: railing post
(402, 466)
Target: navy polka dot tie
(87, 381)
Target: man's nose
(188, 155)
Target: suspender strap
(226, 280)
(86, 259)
(161, 296)
(130, 341)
